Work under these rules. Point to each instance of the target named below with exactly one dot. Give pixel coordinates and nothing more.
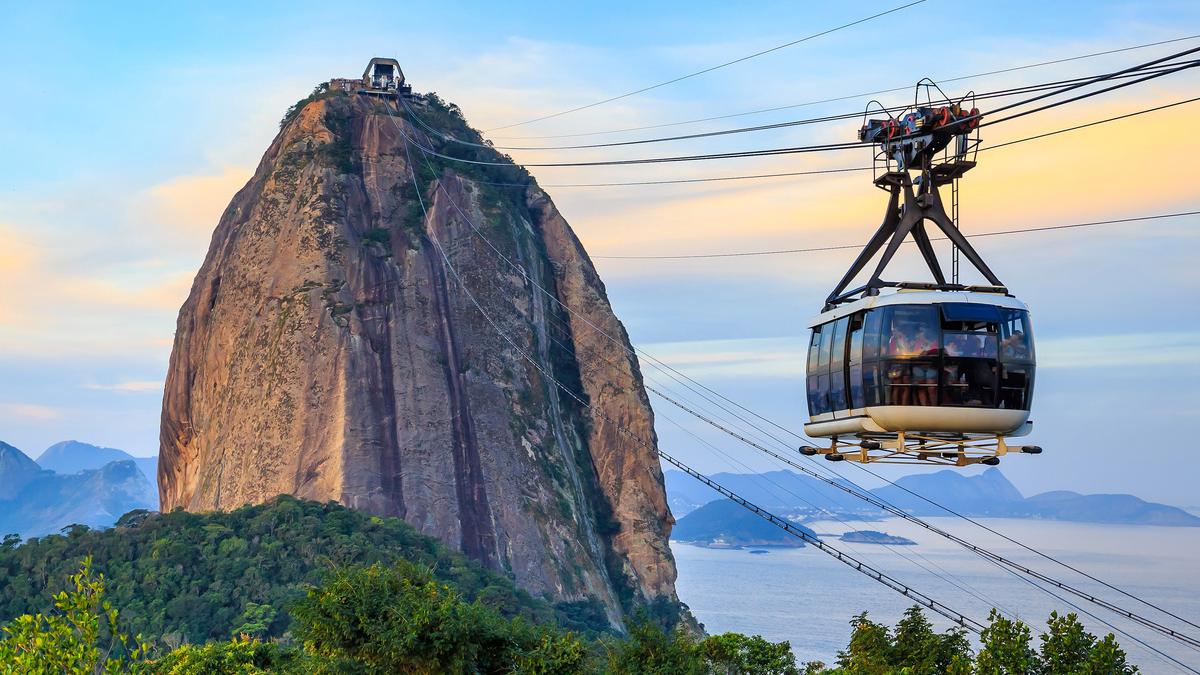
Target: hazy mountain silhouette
(985, 494)
(93, 486)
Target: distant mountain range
(985, 494)
(72, 483)
(73, 457)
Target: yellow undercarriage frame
(916, 448)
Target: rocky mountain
(327, 350)
(74, 456)
(49, 501)
(16, 471)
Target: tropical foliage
(388, 600)
(195, 578)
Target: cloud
(192, 204)
(1134, 349)
(751, 357)
(27, 411)
(131, 386)
(130, 264)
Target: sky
(128, 127)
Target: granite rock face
(353, 336)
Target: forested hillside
(199, 577)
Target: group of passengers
(967, 383)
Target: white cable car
(914, 372)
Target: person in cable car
(924, 374)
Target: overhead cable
(856, 96)
(709, 69)
(841, 247)
(848, 145)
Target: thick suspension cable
(856, 168)
(857, 114)
(711, 68)
(843, 247)
(871, 499)
(907, 87)
(848, 145)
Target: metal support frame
(923, 449)
(899, 221)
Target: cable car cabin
(383, 76)
(940, 367)
(937, 371)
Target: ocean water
(807, 597)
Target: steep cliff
(327, 351)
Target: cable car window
(823, 354)
(857, 396)
(1016, 387)
(826, 342)
(837, 348)
(910, 383)
(871, 388)
(856, 338)
(814, 351)
(855, 361)
(970, 344)
(1015, 343)
(823, 394)
(969, 382)
(911, 331)
(814, 395)
(837, 359)
(970, 312)
(871, 324)
(837, 391)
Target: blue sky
(128, 127)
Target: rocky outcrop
(327, 350)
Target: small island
(725, 525)
(873, 537)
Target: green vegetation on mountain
(372, 619)
(399, 619)
(187, 577)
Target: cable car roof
(916, 297)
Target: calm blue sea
(806, 597)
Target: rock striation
(328, 351)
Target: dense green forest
(189, 577)
(300, 587)
(399, 619)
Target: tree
(1068, 649)
(918, 650)
(69, 639)
(650, 650)
(737, 654)
(1006, 649)
(869, 650)
(241, 656)
(554, 654)
(1108, 657)
(256, 621)
(397, 619)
